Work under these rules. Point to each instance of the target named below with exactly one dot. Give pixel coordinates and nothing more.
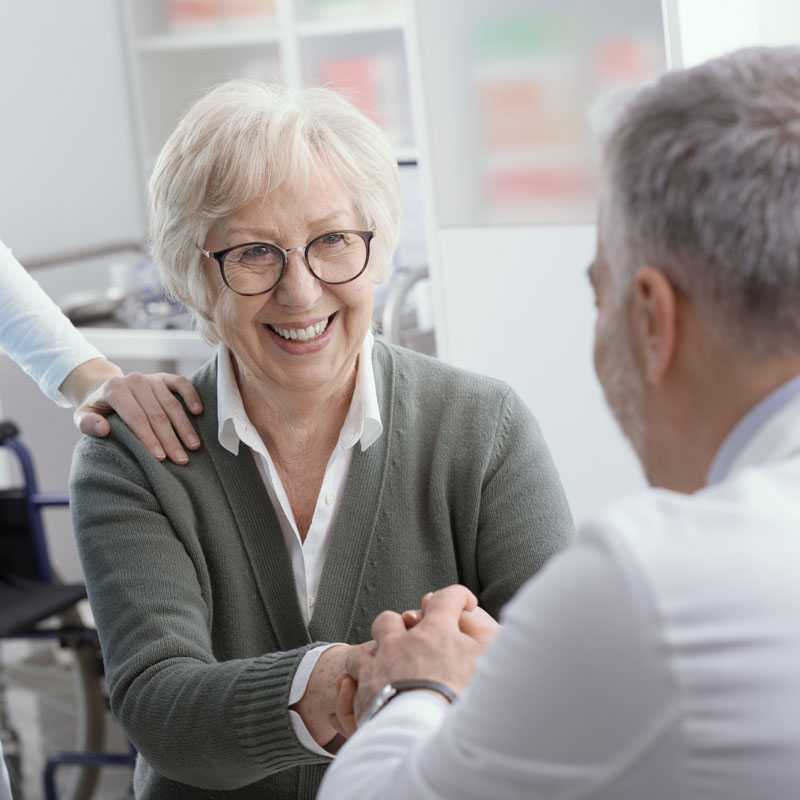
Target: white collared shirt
(767, 415)
(362, 424)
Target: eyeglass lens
(333, 257)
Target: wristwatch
(392, 689)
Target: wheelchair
(58, 683)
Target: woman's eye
(333, 238)
(258, 254)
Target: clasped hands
(441, 641)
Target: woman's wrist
(86, 377)
(318, 703)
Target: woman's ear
(653, 308)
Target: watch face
(383, 697)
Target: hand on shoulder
(145, 403)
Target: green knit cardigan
(193, 592)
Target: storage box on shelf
(369, 70)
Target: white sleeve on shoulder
(572, 699)
(34, 332)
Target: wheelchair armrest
(50, 499)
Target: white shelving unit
(178, 50)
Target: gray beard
(622, 386)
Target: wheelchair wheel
(53, 700)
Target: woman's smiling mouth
(299, 334)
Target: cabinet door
(508, 93)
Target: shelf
(169, 345)
(347, 27)
(207, 40)
(406, 153)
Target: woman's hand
(317, 706)
(145, 403)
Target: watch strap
(391, 690)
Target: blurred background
(487, 106)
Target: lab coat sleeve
(35, 333)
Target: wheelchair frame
(52, 599)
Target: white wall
(709, 28)
(519, 307)
(67, 165)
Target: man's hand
(145, 403)
(475, 623)
(435, 648)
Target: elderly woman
(338, 477)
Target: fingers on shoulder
(184, 387)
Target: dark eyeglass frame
(220, 255)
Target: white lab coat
(659, 657)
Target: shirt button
(311, 601)
(329, 499)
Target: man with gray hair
(659, 657)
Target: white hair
(245, 139)
(703, 181)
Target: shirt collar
(749, 426)
(362, 423)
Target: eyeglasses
(257, 267)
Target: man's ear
(653, 308)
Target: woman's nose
(298, 289)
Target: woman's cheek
(226, 316)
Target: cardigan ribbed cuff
(261, 706)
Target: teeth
(302, 334)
